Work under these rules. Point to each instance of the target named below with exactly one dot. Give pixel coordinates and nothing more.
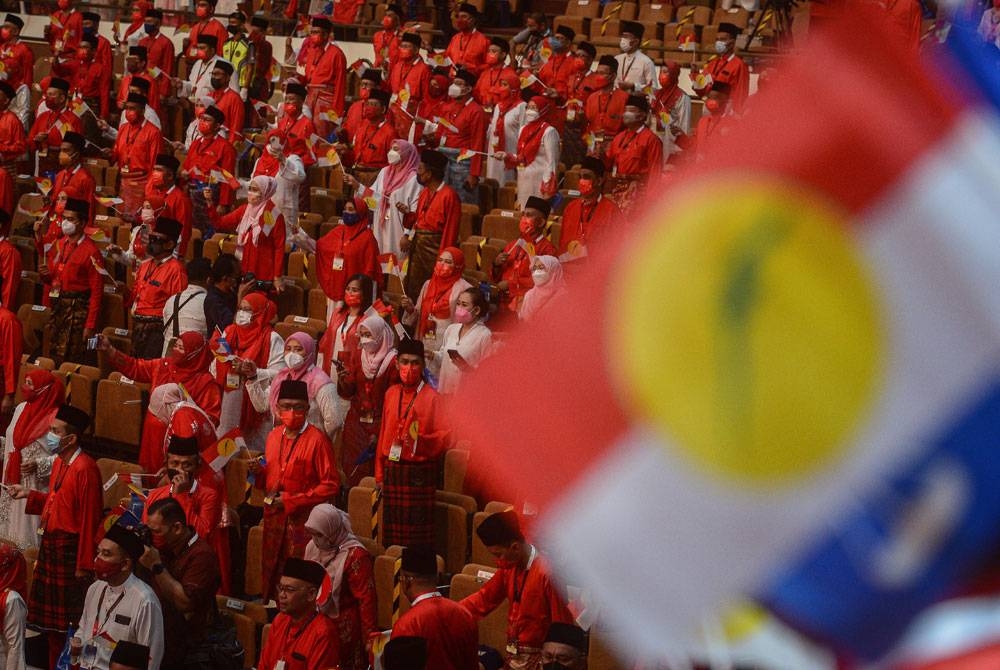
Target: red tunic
(265, 257)
(309, 645)
(207, 154)
(326, 78)
(357, 604)
(154, 90)
(535, 602)
(209, 26)
(604, 112)
(73, 271)
(202, 507)
(451, 633)
(136, 149)
(72, 504)
(351, 248)
(176, 206)
(13, 140)
(11, 346)
(366, 397)
(296, 132)
(10, 269)
(440, 211)
(733, 71)
(400, 412)
(160, 54)
(386, 43)
(469, 120)
(517, 270)
(488, 81)
(468, 50)
(372, 144)
(19, 63)
(155, 281)
(415, 77)
(93, 80)
(557, 73)
(231, 104)
(582, 219)
(635, 153)
(51, 125)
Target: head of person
(536, 23)
(533, 217)
(208, 46)
(565, 648)
(139, 86)
(591, 182)
(355, 211)
(293, 404)
(71, 149)
(256, 310)
(630, 36)
(154, 19)
(236, 23)
(260, 189)
(405, 652)
(537, 108)
(496, 54)
(226, 273)
(66, 430)
(502, 536)
(7, 94)
(584, 55)
(162, 239)
(198, 271)
(636, 109)
(607, 70)
(398, 150)
(183, 455)
(717, 100)
(466, 17)
(471, 306)
(409, 46)
(295, 97)
(319, 30)
(461, 85)
(88, 47)
(11, 29)
(300, 349)
(562, 40)
(204, 9)
(359, 292)
(508, 87)
(210, 121)
(725, 38)
(440, 80)
(165, 168)
(117, 555)
(221, 73)
(13, 570)
(135, 108)
(375, 106)
(371, 79)
(410, 361)
(74, 217)
(129, 656)
(328, 527)
(258, 26)
(36, 383)
(91, 23)
(135, 61)
(168, 525)
(298, 587)
(450, 263)
(418, 571)
(56, 93)
(545, 270)
(189, 352)
(393, 17)
(432, 167)
(670, 73)
(64, 5)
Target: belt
(147, 319)
(73, 295)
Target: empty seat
(451, 534)
(120, 408)
(456, 464)
(109, 467)
(33, 319)
(305, 324)
(503, 226)
(662, 12)
(587, 8)
(255, 551)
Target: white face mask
(629, 117)
(243, 317)
(721, 47)
(625, 43)
(147, 214)
(294, 359)
(393, 156)
(531, 115)
(68, 228)
(454, 91)
(540, 277)
(368, 343)
(274, 148)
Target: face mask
(443, 270)
(54, 104)
(89, 32)
(28, 393)
(243, 317)
(625, 44)
(52, 442)
(150, 28)
(713, 106)
(202, 54)
(462, 24)
(628, 118)
(369, 112)
(721, 47)
(68, 228)
(5, 34)
(63, 4)
(365, 93)
(157, 178)
(350, 218)
(291, 109)
(133, 116)
(556, 43)
(526, 226)
(492, 58)
(171, 473)
(232, 29)
(585, 186)
(579, 63)
(406, 52)
(540, 277)
(136, 16)
(393, 156)
(292, 419)
(105, 570)
(155, 247)
(160, 542)
(83, 54)
(218, 84)
(367, 343)
(410, 374)
(294, 359)
(133, 68)
(64, 159)
(204, 127)
(462, 315)
(352, 299)
(201, 12)
(665, 80)
(387, 22)
(531, 115)
(602, 80)
(317, 40)
(454, 91)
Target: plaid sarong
(408, 503)
(147, 337)
(57, 595)
(64, 329)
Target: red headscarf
(506, 104)
(669, 90)
(437, 296)
(529, 141)
(13, 575)
(40, 407)
(196, 359)
(253, 341)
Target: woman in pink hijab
(260, 230)
(396, 191)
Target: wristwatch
(158, 569)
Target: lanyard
(111, 610)
(55, 489)
(404, 417)
(345, 242)
(346, 331)
(519, 591)
(627, 67)
(284, 460)
(625, 143)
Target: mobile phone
(454, 355)
(337, 364)
(92, 343)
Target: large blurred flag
(785, 384)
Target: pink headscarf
(397, 175)
(375, 363)
(338, 538)
(314, 378)
(251, 225)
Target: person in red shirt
(70, 517)
(485, 91)
(76, 288)
(11, 348)
(157, 278)
(588, 215)
(523, 580)
(259, 226)
(451, 633)
(386, 41)
(260, 56)
(411, 74)
(209, 153)
(63, 33)
(635, 155)
(512, 266)
(605, 106)
(10, 265)
(712, 121)
(298, 472)
(49, 127)
(726, 67)
(374, 136)
(207, 25)
(581, 84)
(17, 57)
(162, 183)
(91, 28)
(347, 250)
(347, 12)
(301, 638)
(462, 126)
(467, 49)
(413, 437)
(370, 80)
(92, 79)
(136, 70)
(226, 99)
(72, 179)
(160, 50)
(13, 139)
(294, 127)
(134, 153)
(434, 226)
(556, 73)
(325, 75)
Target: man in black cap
(235, 49)
(467, 49)
(495, 70)
(92, 80)
(386, 41)
(522, 578)
(119, 606)
(294, 127)
(259, 55)
(556, 73)
(206, 26)
(47, 131)
(176, 202)
(18, 59)
(410, 653)
(324, 77)
(635, 155)
(636, 70)
(156, 279)
(299, 473)
(408, 73)
(300, 636)
(512, 266)
(565, 647)
(92, 28)
(411, 442)
(72, 179)
(75, 288)
(373, 138)
(160, 51)
(70, 517)
(435, 228)
(461, 127)
(209, 153)
(371, 79)
(129, 656)
(586, 216)
(451, 634)
(225, 96)
(726, 67)
(137, 68)
(13, 138)
(718, 105)
(135, 151)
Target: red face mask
(133, 116)
(461, 23)
(201, 11)
(136, 17)
(157, 178)
(292, 419)
(410, 374)
(365, 93)
(317, 40)
(492, 58)
(578, 63)
(443, 270)
(527, 227)
(369, 112)
(602, 80)
(83, 54)
(105, 570)
(202, 54)
(205, 127)
(713, 106)
(352, 299)
(63, 4)
(30, 393)
(387, 22)
(586, 186)
(291, 110)
(5, 33)
(406, 52)
(665, 80)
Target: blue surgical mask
(150, 28)
(52, 442)
(556, 43)
(350, 218)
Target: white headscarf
(335, 527)
(251, 223)
(539, 296)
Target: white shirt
(191, 316)
(129, 612)
(15, 613)
(474, 346)
(637, 68)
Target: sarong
(147, 337)
(57, 595)
(64, 329)
(424, 248)
(408, 503)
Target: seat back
(253, 586)
(492, 627)
(359, 509)
(385, 569)
(456, 465)
(586, 8)
(121, 405)
(118, 490)
(451, 534)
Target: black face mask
(171, 473)
(89, 32)
(218, 84)
(233, 29)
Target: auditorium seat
(605, 29)
(120, 410)
(359, 509)
(96, 168)
(210, 249)
(577, 24)
(456, 465)
(29, 290)
(507, 197)
(586, 8)
(384, 570)
(503, 226)
(323, 202)
(81, 385)
(253, 586)
(451, 531)
(627, 11)
(662, 12)
(108, 467)
(309, 222)
(33, 319)
(694, 14)
(292, 299)
(467, 223)
(317, 304)
(294, 323)
(493, 627)
(736, 15)
(29, 205)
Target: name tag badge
(41, 531)
(54, 294)
(279, 665)
(570, 114)
(338, 263)
(124, 169)
(512, 648)
(395, 451)
(269, 500)
(43, 152)
(367, 417)
(232, 381)
(123, 619)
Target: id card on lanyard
(403, 426)
(47, 510)
(269, 498)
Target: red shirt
(386, 43)
(415, 77)
(440, 211)
(202, 507)
(489, 80)
(372, 143)
(207, 154)
(154, 90)
(265, 257)
(301, 468)
(354, 250)
(325, 68)
(177, 206)
(136, 149)
(468, 50)
(469, 122)
(635, 153)
(10, 267)
(231, 104)
(733, 71)
(19, 62)
(13, 140)
(72, 504)
(403, 410)
(11, 346)
(66, 31)
(582, 219)
(52, 125)
(517, 270)
(452, 634)
(296, 132)
(155, 281)
(345, 11)
(312, 644)
(73, 270)
(604, 112)
(160, 54)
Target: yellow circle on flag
(227, 446)
(748, 332)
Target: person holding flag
(347, 250)
(19, 64)
(512, 266)
(63, 33)
(604, 107)
(295, 128)
(671, 107)
(370, 80)
(47, 132)
(496, 70)
(409, 80)
(325, 65)
(277, 161)
(199, 83)
(726, 67)
(467, 48)
(374, 136)
(587, 216)
(536, 156)
(462, 127)
(635, 156)
(434, 309)
(579, 87)
(260, 231)
(395, 188)
(162, 183)
(208, 157)
(159, 50)
(134, 153)
(386, 41)
(433, 106)
(433, 227)
(91, 82)
(505, 126)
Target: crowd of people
(425, 133)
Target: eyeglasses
(562, 659)
(282, 588)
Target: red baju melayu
(202, 507)
(11, 348)
(176, 206)
(65, 31)
(10, 272)
(155, 281)
(154, 90)
(731, 70)
(92, 81)
(51, 125)
(231, 104)
(604, 110)
(299, 472)
(556, 74)
(517, 270)
(467, 50)
(265, 255)
(435, 228)
(344, 252)
(160, 54)
(415, 78)
(309, 644)
(488, 82)
(13, 139)
(326, 80)
(582, 219)
(413, 437)
(210, 26)
(469, 123)
(296, 133)
(364, 418)
(74, 271)
(386, 43)
(19, 63)
(450, 630)
(633, 157)
(135, 154)
(372, 143)
(207, 154)
(346, 11)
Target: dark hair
(169, 510)
(226, 265)
(478, 300)
(367, 289)
(537, 17)
(198, 269)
